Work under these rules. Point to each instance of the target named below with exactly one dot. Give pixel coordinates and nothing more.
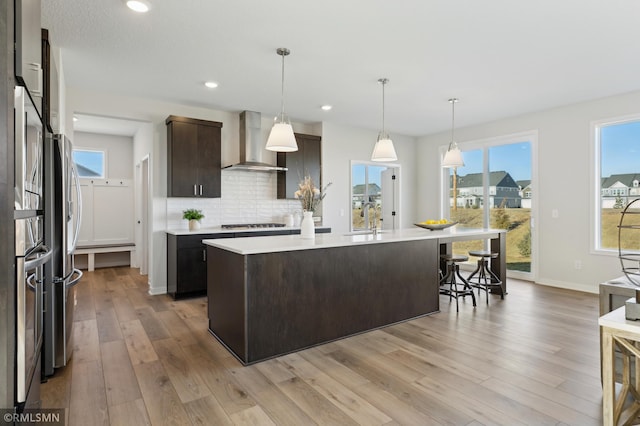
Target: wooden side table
(625, 335)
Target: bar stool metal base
(483, 277)
(453, 284)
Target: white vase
(307, 227)
(194, 225)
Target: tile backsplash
(247, 197)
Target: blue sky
(514, 158)
(620, 148)
(90, 159)
(374, 174)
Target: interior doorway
(142, 223)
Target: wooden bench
(91, 251)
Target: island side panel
(499, 264)
(302, 298)
(226, 299)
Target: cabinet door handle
(204, 254)
(195, 190)
(200, 190)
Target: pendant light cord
(282, 89)
(383, 81)
(453, 120)
(282, 51)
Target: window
(90, 164)
(616, 181)
(488, 193)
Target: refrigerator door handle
(40, 260)
(76, 280)
(76, 181)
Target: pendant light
(383, 149)
(453, 156)
(281, 138)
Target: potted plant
(193, 216)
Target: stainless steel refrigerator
(30, 251)
(63, 204)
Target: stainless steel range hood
(252, 146)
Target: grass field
(629, 238)
(515, 220)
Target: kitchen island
(270, 296)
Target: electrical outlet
(341, 212)
(555, 214)
(577, 264)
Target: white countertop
(616, 320)
(219, 230)
(267, 244)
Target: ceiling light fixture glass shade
(141, 6)
(281, 138)
(383, 149)
(453, 156)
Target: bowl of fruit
(435, 224)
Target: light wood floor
(532, 358)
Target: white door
(390, 204)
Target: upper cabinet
(28, 49)
(306, 161)
(193, 157)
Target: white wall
(118, 152)
(340, 145)
(564, 184)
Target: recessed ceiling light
(141, 6)
(326, 107)
(211, 84)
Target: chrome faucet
(366, 206)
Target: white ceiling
(500, 57)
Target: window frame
(91, 150)
(596, 180)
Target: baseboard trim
(586, 288)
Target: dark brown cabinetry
(305, 161)
(193, 158)
(187, 264)
(187, 259)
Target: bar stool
(483, 277)
(457, 287)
